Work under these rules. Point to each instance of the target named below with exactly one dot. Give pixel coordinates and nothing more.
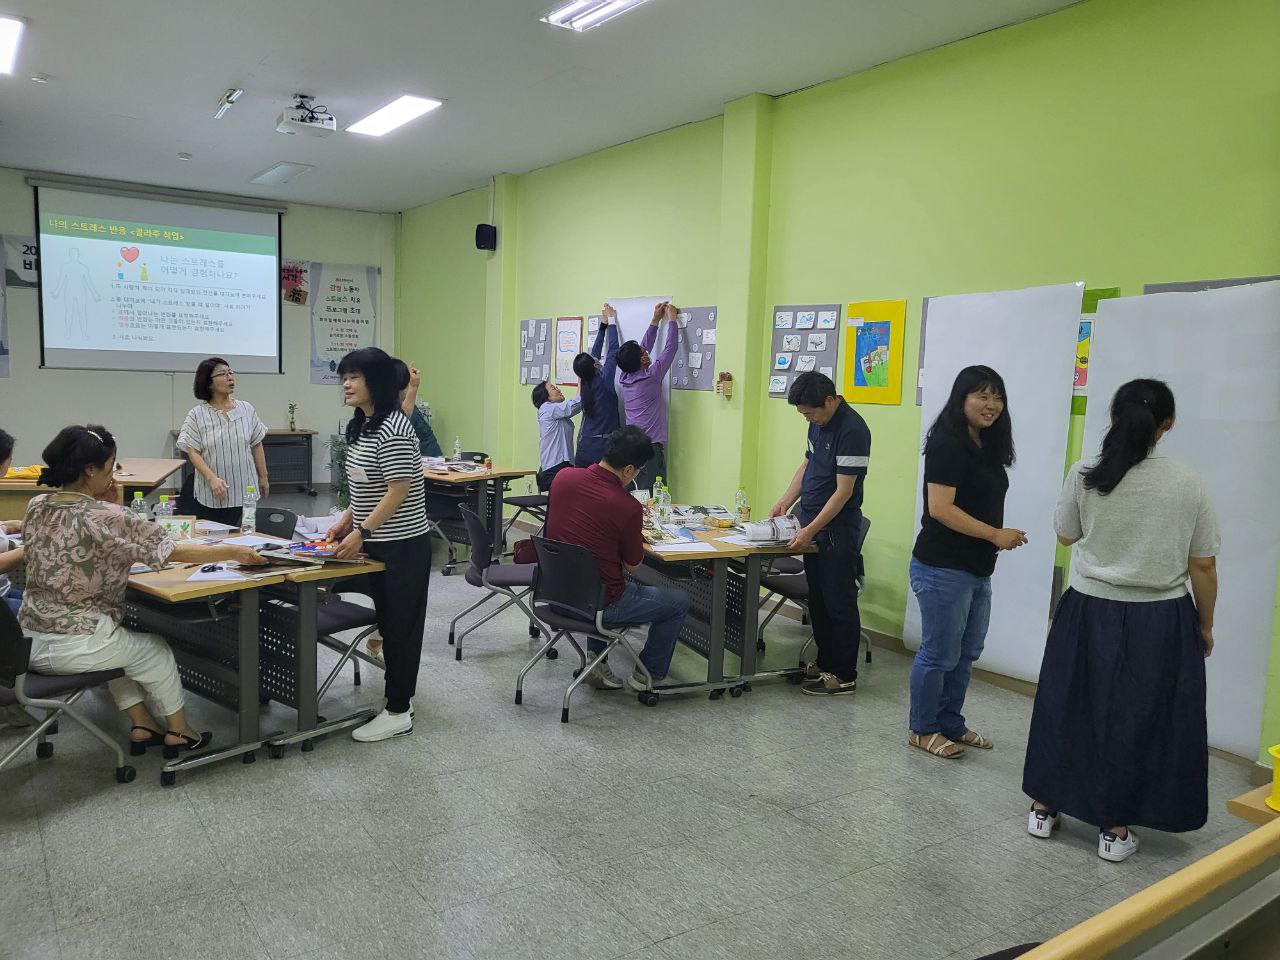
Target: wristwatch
(364, 534)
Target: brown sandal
(936, 744)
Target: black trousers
(832, 573)
(400, 598)
(655, 468)
(543, 478)
(231, 516)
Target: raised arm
(610, 364)
(668, 356)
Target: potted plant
(293, 409)
(338, 469)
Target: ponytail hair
(584, 365)
(1138, 410)
(73, 449)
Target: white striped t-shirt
(225, 440)
(391, 453)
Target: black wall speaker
(486, 236)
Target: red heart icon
(130, 254)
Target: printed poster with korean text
(874, 334)
(344, 315)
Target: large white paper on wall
(1219, 351)
(1029, 338)
(634, 315)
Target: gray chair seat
(787, 565)
(792, 586)
(42, 687)
(506, 575)
(536, 501)
(338, 615)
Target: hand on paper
(802, 541)
(777, 510)
(246, 556)
(350, 546)
(218, 487)
(658, 312)
(607, 313)
(672, 312)
(339, 529)
(1009, 539)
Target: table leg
(750, 615)
(715, 640)
(494, 493)
(305, 652)
(247, 640)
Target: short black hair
(203, 386)
(628, 447)
(6, 446)
(630, 356)
(402, 373)
(379, 372)
(73, 449)
(811, 390)
(539, 395)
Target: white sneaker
(1111, 847)
(385, 726)
(1041, 823)
(639, 683)
(602, 678)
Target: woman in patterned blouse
(80, 547)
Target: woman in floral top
(80, 546)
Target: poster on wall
(1084, 338)
(536, 349)
(874, 334)
(695, 365)
(344, 315)
(568, 346)
(806, 337)
(295, 282)
(20, 258)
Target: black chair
(55, 694)
(534, 504)
(786, 580)
(334, 616)
(511, 580)
(569, 598)
(475, 456)
(276, 522)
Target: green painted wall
(1108, 143)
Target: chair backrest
(15, 647)
(481, 545)
(568, 579)
(475, 456)
(276, 522)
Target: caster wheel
(308, 746)
(44, 750)
(576, 673)
(249, 757)
(534, 631)
(125, 774)
(554, 654)
(275, 752)
(715, 695)
(648, 698)
(263, 701)
(168, 779)
(735, 692)
(519, 696)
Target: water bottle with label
(661, 502)
(165, 507)
(457, 449)
(742, 505)
(139, 505)
(249, 516)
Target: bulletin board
(695, 364)
(805, 337)
(535, 350)
(568, 345)
(875, 331)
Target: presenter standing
(644, 397)
(222, 436)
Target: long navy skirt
(1118, 734)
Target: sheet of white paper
(738, 540)
(827, 371)
(528, 356)
(791, 342)
(826, 319)
(222, 573)
(542, 331)
(695, 360)
(782, 361)
(250, 540)
(777, 384)
(540, 349)
(783, 319)
(708, 337)
(681, 546)
(524, 339)
(805, 320)
(212, 526)
(524, 374)
(806, 362)
(817, 342)
(682, 319)
(546, 370)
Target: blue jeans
(955, 608)
(14, 600)
(663, 608)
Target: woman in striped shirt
(387, 520)
(222, 437)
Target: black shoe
(171, 750)
(829, 686)
(138, 748)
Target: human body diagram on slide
(74, 288)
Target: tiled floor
(773, 826)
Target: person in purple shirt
(644, 398)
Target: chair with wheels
(569, 598)
(275, 522)
(514, 581)
(55, 694)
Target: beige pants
(148, 664)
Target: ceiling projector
(308, 120)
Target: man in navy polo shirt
(829, 487)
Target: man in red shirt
(591, 507)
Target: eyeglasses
(226, 373)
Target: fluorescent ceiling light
(282, 173)
(226, 100)
(395, 114)
(10, 40)
(580, 15)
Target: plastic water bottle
(249, 517)
(743, 505)
(139, 506)
(457, 449)
(165, 507)
(662, 500)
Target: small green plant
(293, 409)
(338, 464)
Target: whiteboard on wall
(1029, 338)
(1219, 351)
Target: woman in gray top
(1118, 735)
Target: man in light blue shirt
(555, 431)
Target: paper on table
(738, 540)
(250, 540)
(213, 526)
(222, 573)
(682, 546)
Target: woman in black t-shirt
(966, 453)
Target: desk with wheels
(241, 644)
(481, 492)
(723, 584)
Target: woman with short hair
(1119, 735)
(598, 391)
(80, 547)
(222, 437)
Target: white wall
(141, 408)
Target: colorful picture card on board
(874, 334)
